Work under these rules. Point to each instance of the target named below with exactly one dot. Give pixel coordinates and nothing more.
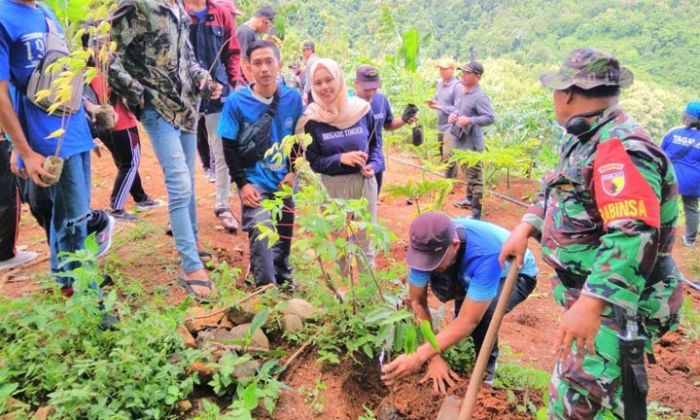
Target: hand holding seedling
(250, 196)
(401, 367)
(356, 158)
(34, 163)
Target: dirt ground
(149, 257)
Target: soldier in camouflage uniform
(155, 71)
(606, 218)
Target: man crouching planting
(459, 259)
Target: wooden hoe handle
(480, 367)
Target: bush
(52, 352)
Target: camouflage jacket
(607, 215)
(154, 60)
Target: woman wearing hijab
(344, 147)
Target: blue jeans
(70, 198)
(175, 150)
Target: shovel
(449, 407)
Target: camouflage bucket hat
(587, 68)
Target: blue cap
(693, 109)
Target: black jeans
(9, 205)
(125, 146)
(269, 264)
(523, 287)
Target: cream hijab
(343, 112)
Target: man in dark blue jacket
(215, 44)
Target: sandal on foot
(228, 220)
(206, 257)
(187, 284)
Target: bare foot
(201, 291)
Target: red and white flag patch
(620, 190)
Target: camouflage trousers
(475, 186)
(585, 389)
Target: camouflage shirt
(154, 60)
(607, 215)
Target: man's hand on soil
(579, 325)
(403, 366)
(441, 374)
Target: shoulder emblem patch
(620, 190)
(612, 177)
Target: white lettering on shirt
(342, 133)
(685, 141)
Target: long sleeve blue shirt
(330, 142)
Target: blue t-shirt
(22, 32)
(479, 270)
(243, 107)
(201, 14)
(682, 145)
(330, 142)
(383, 116)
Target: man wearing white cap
(447, 94)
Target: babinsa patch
(620, 190)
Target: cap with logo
(446, 63)
(368, 77)
(472, 67)
(430, 235)
(588, 68)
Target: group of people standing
(605, 217)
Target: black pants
(523, 287)
(203, 149)
(269, 264)
(9, 205)
(125, 147)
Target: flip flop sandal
(187, 284)
(228, 221)
(206, 257)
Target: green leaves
(427, 330)
(410, 47)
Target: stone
(43, 413)
(246, 370)
(292, 323)
(207, 320)
(226, 323)
(243, 313)
(187, 338)
(232, 337)
(184, 406)
(299, 307)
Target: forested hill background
(656, 38)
